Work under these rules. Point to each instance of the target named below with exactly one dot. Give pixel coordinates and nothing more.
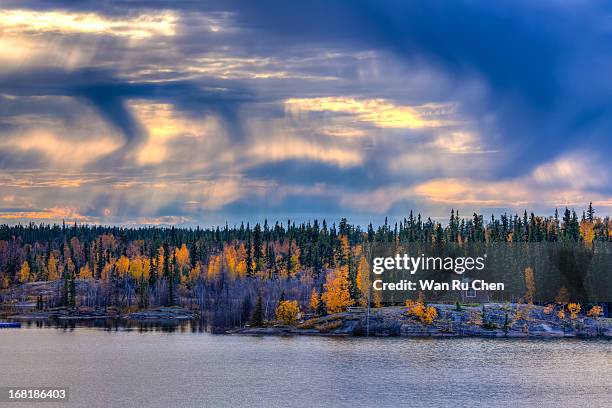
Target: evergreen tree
(321, 309)
(72, 295)
(249, 260)
(590, 213)
(258, 318)
(171, 277)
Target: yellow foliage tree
(122, 266)
(530, 285)
(574, 309)
(363, 281)
(230, 256)
(418, 309)
(288, 311)
(595, 312)
(314, 300)
(336, 295)
(214, 267)
(4, 282)
(135, 268)
(587, 231)
(85, 272)
(377, 298)
(181, 256)
(146, 268)
(241, 269)
(24, 272)
(52, 273)
(195, 272)
(70, 267)
(106, 272)
(430, 315)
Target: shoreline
(499, 321)
(468, 322)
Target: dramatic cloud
(380, 112)
(141, 26)
(161, 112)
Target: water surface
(187, 368)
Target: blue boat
(6, 325)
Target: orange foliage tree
(314, 300)
(426, 314)
(587, 231)
(52, 273)
(336, 295)
(363, 281)
(85, 272)
(595, 312)
(24, 272)
(574, 309)
(288, 311)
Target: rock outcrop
(498, 321)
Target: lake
(185, 367)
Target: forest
(231, 274)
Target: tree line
(230, 273)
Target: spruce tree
(171, 276)
(257, 319)
(72, 294)
(321, 309)
(249, 260)
(590, 212)
(65, 291)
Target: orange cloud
(142, 26)
(293, 148)
(163, 124)
(57, 149)
(48, 214)
(381, 112)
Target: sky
(207, 112)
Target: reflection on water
(142, 326)
(183, 366)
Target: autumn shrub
(337, 296)
(574, 309)
(430, 315)
(426, 314)
(287, 312)
(595, 312)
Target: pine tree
(171, 277)
(590, 212)
(72, 295)
(257, 319)
(65, 291)
(152, 273)
(281, 298)
(321, 309)
(257, 246)
(249, 260)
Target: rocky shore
(498, 321)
